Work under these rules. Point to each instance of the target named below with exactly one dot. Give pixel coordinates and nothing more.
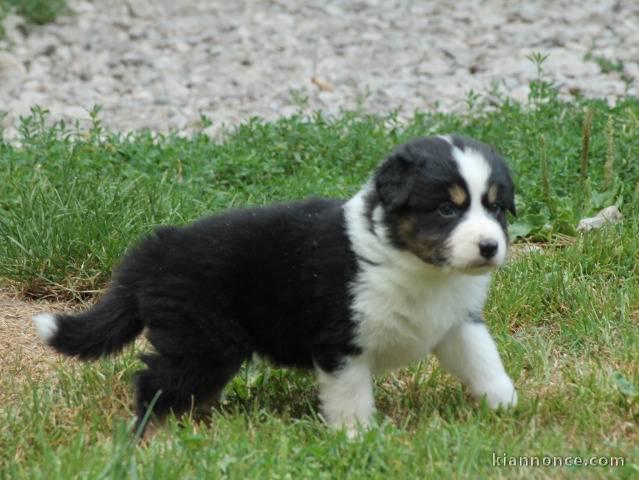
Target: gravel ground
(162, 64)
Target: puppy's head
(445, 200)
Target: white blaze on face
(477, 224)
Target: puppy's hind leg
(177, 384)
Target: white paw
(500, 392)
(353, 427)
(352, 432)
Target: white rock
(144, 59)
(632, 38)
(570, 64)
(63, 54)
(12, 74)
(288, 110)
(143, 95)
(607, 216)
(42, 44)
(73, 112)
(140, 8)
(521, 93)
(80, 6)
(529, 12)
(12, 26)
(6, 121)
(434, 68)
(631, 69)
(22, 107)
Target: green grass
(566, 320)
(34, 11)
(92, 194)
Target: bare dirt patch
(24, 357)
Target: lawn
(565, 316)
(33, 11)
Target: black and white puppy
(349, 289)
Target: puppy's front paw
(353, 427)
(499, 392)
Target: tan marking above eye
(492, 194)
(457, 195)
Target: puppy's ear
(510, 195)
(395, 178)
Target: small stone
(607, 216)
(75, 113)
(80, 7)
(6, 120)
(64, 54)
(216, 131)
(12, 73)
(529, 12)
(140, 8)
(434, 68)
(13, 27)
(521, 93)
(175, 89)
(570, 64)
(43, 45)
(631, 69)
(143, 96)
(323, 85)
(288, 110)
(22, 107)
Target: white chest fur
(402, 316)
(403, 306)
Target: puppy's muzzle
(488, 248)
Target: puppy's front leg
(347, 395)
(469, 352)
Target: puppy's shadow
(260, 387)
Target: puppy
(349, 289)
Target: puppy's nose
(488, 248)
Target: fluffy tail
(101, 330)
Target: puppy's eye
(495, 207)
(447, 210)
